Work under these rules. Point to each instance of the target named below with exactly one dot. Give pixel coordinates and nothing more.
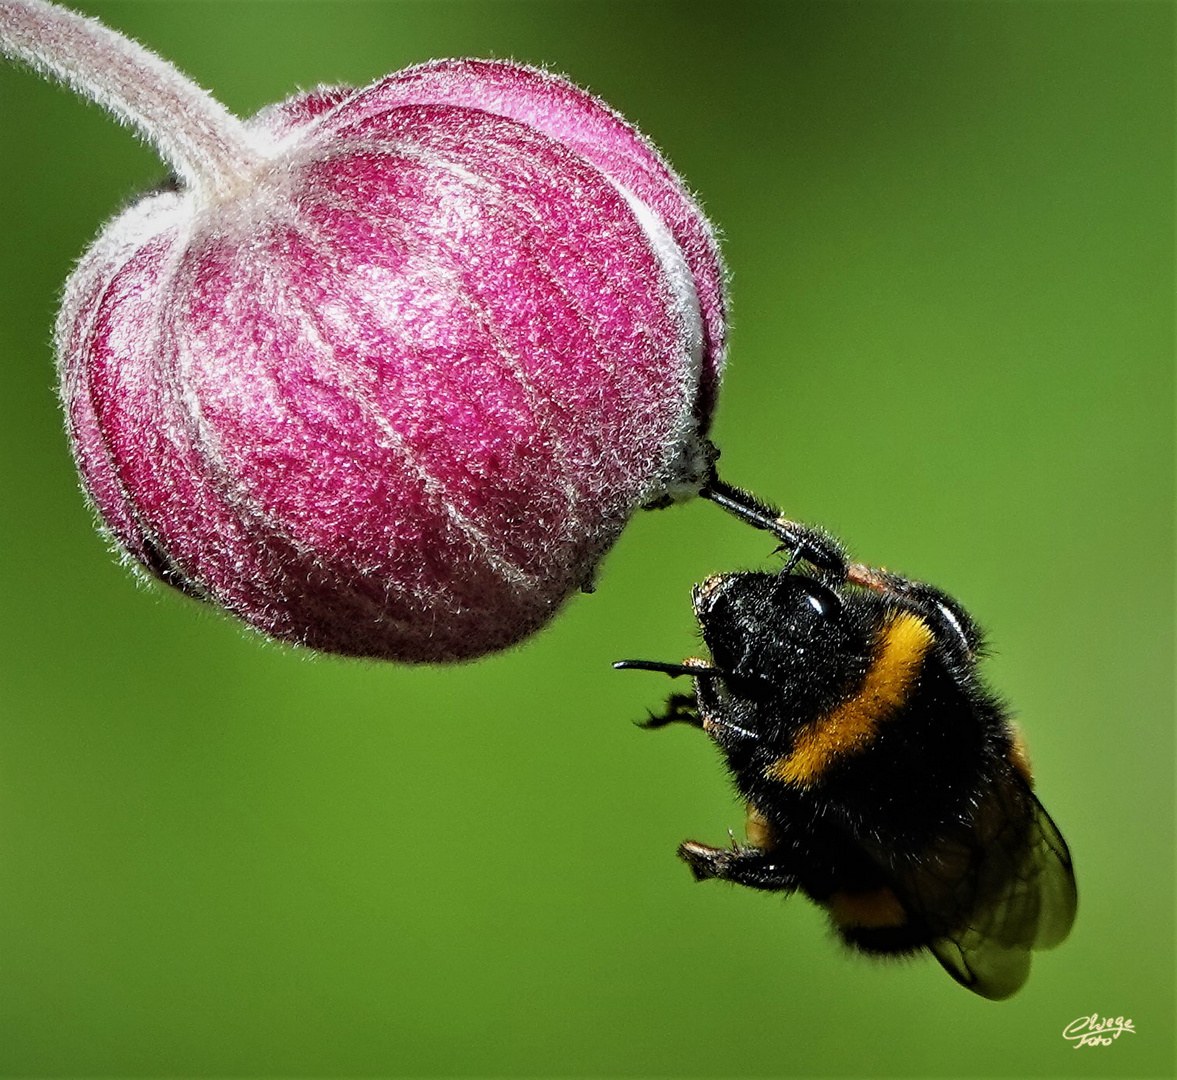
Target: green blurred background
(950, 231)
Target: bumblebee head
(788, 638)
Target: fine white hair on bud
(391, 369)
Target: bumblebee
(883, 780)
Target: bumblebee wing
(1056, 882)
(983, 966)
(1022, 897)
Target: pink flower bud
(390, 371)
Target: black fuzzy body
(883, 780)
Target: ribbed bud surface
(396, 396)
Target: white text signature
(1094, 1030)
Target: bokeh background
(950, 231)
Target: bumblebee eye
(821, 598)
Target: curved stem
(205, 144)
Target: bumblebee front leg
(748, 866)
(804, 542)
(944, 613)
(680, 709)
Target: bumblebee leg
(816, 547)
(680, 709)
(743, 865)
(947, 618)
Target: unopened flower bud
(390, 369)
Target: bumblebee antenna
(673, 670)
(820, 551)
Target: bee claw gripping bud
(390, 368)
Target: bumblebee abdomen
(875, 921)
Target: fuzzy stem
(208, 147)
